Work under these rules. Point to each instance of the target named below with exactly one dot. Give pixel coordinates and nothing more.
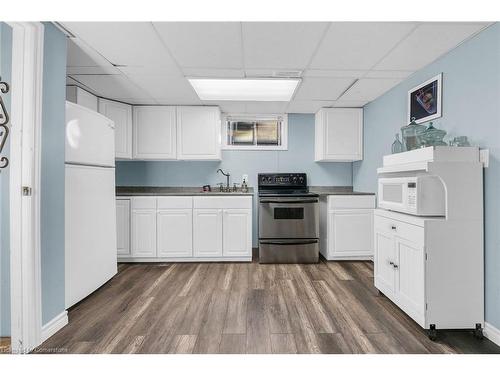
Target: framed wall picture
(424, 100)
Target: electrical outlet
(244, 178)
(484, 157)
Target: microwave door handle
(298, 242)
(289, 201)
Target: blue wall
(52, 174)
(298, 158)
(5, 74)
(471, 106)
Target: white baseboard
(54, 325)
(492, 333)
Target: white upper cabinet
(79, 96)
(198, 133)
(121, 114)
(154, 132)
(339, 134)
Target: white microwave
(418, 195)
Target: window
(255, 132)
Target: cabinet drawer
(409, 232)
(175, 202)
(144, 203)
(351, 201)
(223, 202)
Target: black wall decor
(4, 119)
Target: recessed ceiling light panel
(272, 90)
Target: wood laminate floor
(4, 345)
(330, 307)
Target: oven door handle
(278, 242)
(289, 201)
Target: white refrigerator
(90, 206)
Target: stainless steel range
(288, 219)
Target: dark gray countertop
(190, 190)
(170, 190)
(336, 190)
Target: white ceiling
(342, 64)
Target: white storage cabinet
(154, 132)
(185, 228)
(175, 227)
(121, 114)
(198, 133)
(346, 227)
(433, 267)
(338, 135)
(123, 227)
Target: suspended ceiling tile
(388, 74)
(307, 106)
(280, 45)
(358, 45)
(80, 54)
(367, 89)
(265, 107)
(322, 88)
(426, 43)
(227, 106)
(170, 90)
(334, 73)
(203, 44)
(112, 86)
(213, 73)
(93, 70)
(163, 71)
(124, 43)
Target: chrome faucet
(227, 178)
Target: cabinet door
(144, 233)
(341, 133)
(207, 232)
(351, 233)
(154, 133)
(123, 227)
(410, 283)
(237, 232)
(121, 114)
(384, 258)
(198, 133)
(175, 233)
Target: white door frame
(25, 158)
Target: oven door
(288, 217)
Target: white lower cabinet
(143, 231)
(237, 238)
(123, 227)
(207, 228)
(185, 228)
(175, 233)
(346, 227)
(400, 265)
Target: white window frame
(252, 117)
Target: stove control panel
(282, 179)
